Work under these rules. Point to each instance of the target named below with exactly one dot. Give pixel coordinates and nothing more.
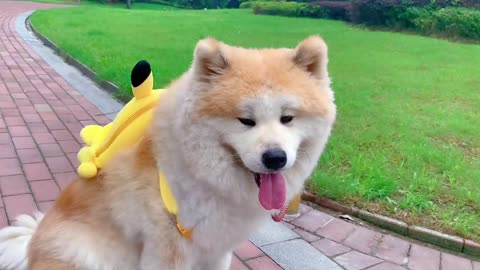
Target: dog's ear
(209, 59)
(311, 55)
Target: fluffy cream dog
(236, 136)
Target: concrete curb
(104, 84)
(443, 240)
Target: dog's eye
(247, 122)
(286, 119)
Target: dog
(236, 136)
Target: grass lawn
(406, 143)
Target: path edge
(443, 240)
(67, 58)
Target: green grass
(406, 143)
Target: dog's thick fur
(118, 221)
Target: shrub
(452, 22)
(408, 18)
(249, 4)
(246, 5)
(291, 9)
(398, 13)
(375, 12)
(338, 10)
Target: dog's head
(265, 114)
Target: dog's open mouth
(272, 190)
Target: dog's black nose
(274, 159)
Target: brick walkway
(356, 247)
(40, 119)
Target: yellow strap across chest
(171, 204)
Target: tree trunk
(129, 4)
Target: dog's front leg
(217, 263)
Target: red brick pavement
(40, 118)
(356, 247)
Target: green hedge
(451, 22)
(429, 17)
(291, 9)
(249, 4)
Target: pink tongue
(272, 194)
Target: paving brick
(263, 263)
(68, 118)
(272, 232)
(3, 218)
(303, 208)
(9, 166)
(73, 159)
(387, 266)
(36, 171)
(23, 142)
(248, 251)
(62, 135)
(51, 150)
(32, 118)
(55, 125)
(9, 111)
(476, 265)
(393, 249)
(237, 264)
(13, 185)
(336, 230)
(44, 137)
(37, 127)
(7, 151)
(70, 146)
(5, 139)
(23, 102)
(59, 164)
(45, 190)
(48, 116)
(88, 122)
(288, 225)
(19, 204)
(312, 220)
(363, 240)
(64, 179)
(355, 260)
(102, 119)
(423, 258)
(306, 235)
(14, 121)
(451, 262)
(43, 108)
(29, 155)
(19, 131)
(298, 254)
(329, 247)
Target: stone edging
(447, 241)
(443, 240)
(104, 84)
